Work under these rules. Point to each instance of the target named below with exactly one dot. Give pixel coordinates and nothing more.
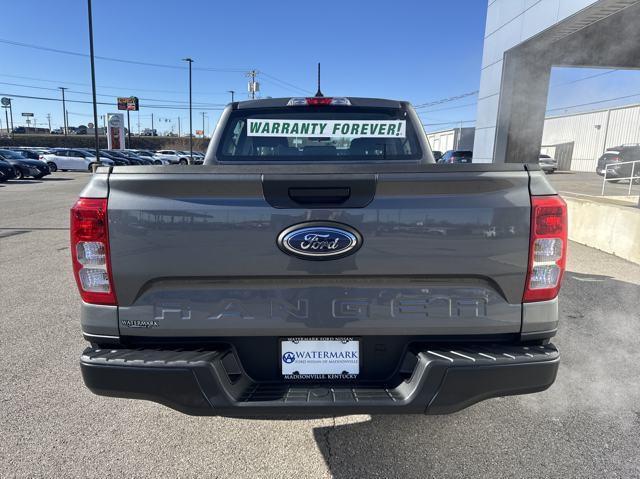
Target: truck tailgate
(194, 252)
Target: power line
(567, 107)
(291, 85)
(593, 102)
(122, 88)
(457, 97)
(108, 96)
(446, 100)
(136, 62)
(120, 60)
(169, 107)
(448, 108)
(449, 123)
(571, 82)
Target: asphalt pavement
(579, 183)
(586, 425)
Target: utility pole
(128, 131)
(203, 113)
(64, 110)
(179, 133)
(49, 120)
(152, 129)
(232, 93)
(6, 115)
(190, 61)
(93, 82)
(11, 116)
(252, 83)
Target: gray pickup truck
(319, 262)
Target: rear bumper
(213, 382)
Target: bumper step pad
(206, 382)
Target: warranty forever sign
(328, 128)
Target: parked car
(6, 171)
(547, 163)
(138, 159)
(173, 156)
(198, 157)
(26, 152)
(151, 155)
(341, 319)
(25, 167)
(74, 159)
(115, 160)
(456, 156)
(612, 158)
(123, 154)
(437, 154)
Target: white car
(548, 164)
(69, 159)
(173, 156)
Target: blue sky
(421, 51)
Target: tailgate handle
(327, 190)
(333, 196)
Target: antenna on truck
(319, 93)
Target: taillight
(90, 251)
(548, 248)
(319, 101)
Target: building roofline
(589, 112)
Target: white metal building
(589, 134)
(520, 33)
(453, 139)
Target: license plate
(320, 358)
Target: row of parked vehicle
(547, 163)
(620, 162)
(32, 162)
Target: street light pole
(232, 93)
(93, 83)
(6, 115)
(128, 131)
(190, 61)
(64, 110)
(11, 117)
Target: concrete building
(524, 39)
(453, 139)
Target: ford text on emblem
(319, 240)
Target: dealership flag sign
(327, 128)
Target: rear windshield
(464, 154)
(344, 133)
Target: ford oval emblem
(320, 241)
